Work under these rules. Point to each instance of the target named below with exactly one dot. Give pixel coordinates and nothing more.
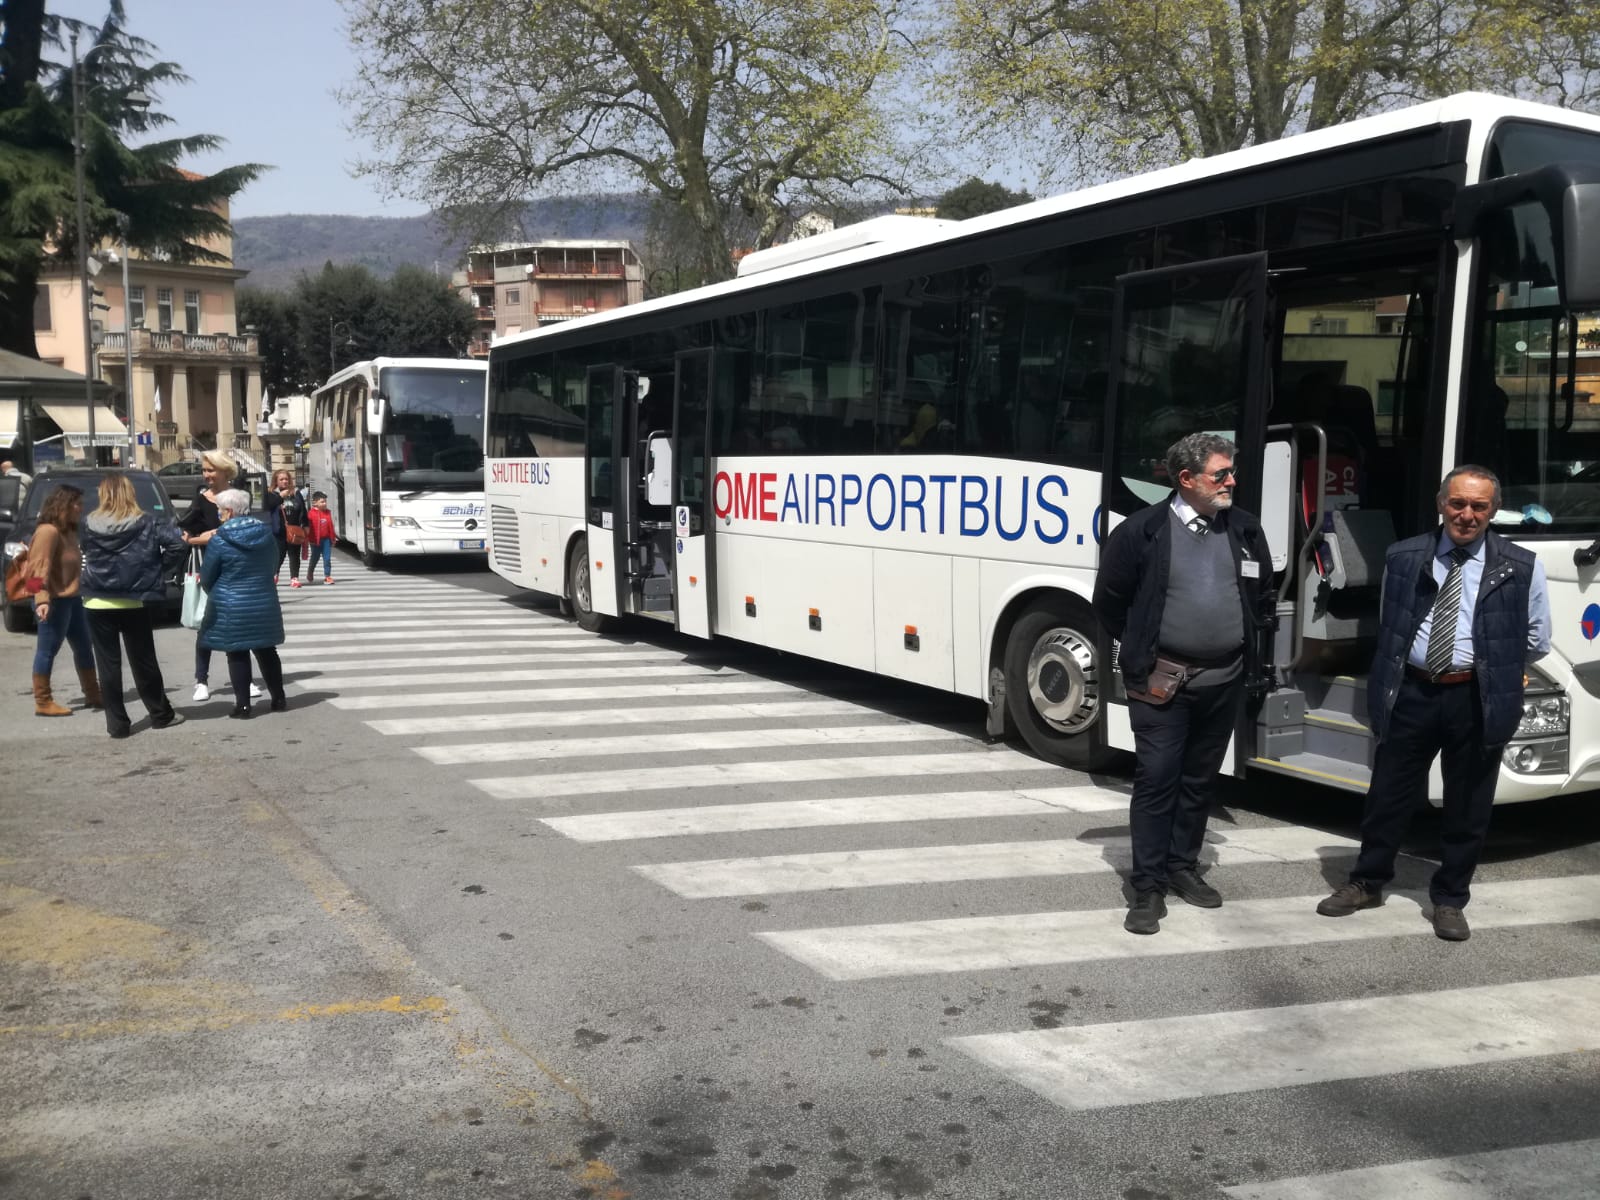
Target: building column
(141, 407)
(177, 406)
(227, 409)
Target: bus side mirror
(378, 412)
(1580, 245)
(658, 482)
(1569, 192)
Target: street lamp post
(83, 240)
(334, 328)
(127, 350)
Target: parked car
(10, 506)
(182, 481)
(152, 496)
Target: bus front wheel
(1055, 685)
(580, 588)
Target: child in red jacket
(321, 536)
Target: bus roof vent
(837, 241)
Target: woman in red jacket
(321, 536)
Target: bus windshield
(433, 438)
(1533, 397)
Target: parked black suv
(182, 481)
(153, 498)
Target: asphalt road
(500, 908)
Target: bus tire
(1057, 685)
(371, 559)
(579, 590)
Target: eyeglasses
(1219, 476)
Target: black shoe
(280, 704)
(172, 718)
(1194, 890)
(1450, 923)
(120, 731)
(1352, 897)
(1145, 913)
(241, 712)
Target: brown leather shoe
(1450, 923)
(44, 704)
(91, 689)
(1352, 897)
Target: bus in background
(397, 446)
(897, 448)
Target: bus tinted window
(530, 418)
(920, 399)
(816, 392)
(434, 433)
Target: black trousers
(112, 629)
(1430, 720)
(292, 553)
(239, 673)
(1178, 748)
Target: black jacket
(1130, 590)
(122, 557)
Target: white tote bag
(194, 596)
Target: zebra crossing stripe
(552, 656)
(585, 783)
(403, 622)
(839, 810)
(405, 635)
(1037, 939)
(413, 607)
(355, 645)
(1554, 1171)
(537, 719)
(676, 743)
(424, 679)
(1225, 1053)
(711, 688)
(775, 874)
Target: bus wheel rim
(580, 584)
(1064, 681)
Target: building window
(136, 306)
(164, 309)
(191, 310)
(41, 307)
(513, 297)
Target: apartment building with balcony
(517, 286)
(197, 378)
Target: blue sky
(263, 74)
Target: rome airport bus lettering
(964, 504)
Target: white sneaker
(255, 692)
(201, 693)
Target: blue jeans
(325, 546)
(67, 622)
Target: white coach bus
(897, 450)
(396, 444)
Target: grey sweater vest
(1203, 618)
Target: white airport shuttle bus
(396, 444)
(896, 448)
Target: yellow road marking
(206, 1022)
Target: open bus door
(692, 525)
(597, 583)
(1190, 357)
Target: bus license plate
(477, 545)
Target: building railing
(484, 276)
(485, 312)
(550, 266)
(171, 341)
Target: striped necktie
(1446, 609)
(1201, 525)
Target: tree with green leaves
(169, 213)
(1106, 85)
(728, 110)
(976, 197)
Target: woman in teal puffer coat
(242, 613)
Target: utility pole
(83, 242)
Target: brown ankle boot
(90, 684)
(43, 704)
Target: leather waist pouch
(1167, 676)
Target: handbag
(20, 586)
(1167, 677)
(195, 598)
(296, 535)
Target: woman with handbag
(122, 570)
(201, 521)
(285, 513)
(52, 577)
(242, 614)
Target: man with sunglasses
(1463, 613)
(1185, 587)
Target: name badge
(1250, 569)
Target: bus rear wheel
(580, 587)
(1055, 685)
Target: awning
(73, 421)
(10, 427)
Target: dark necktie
(1201, 525)
(1446, 609)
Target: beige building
(196, 375)
(518, 286)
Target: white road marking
(1035, 939)
(843, 810)
(584, 783)
(1553, 1171)
(677, 743)
(665, 715)
(401, 621)
(550, 655)
(773, 874)
(324, 636)
(1224, 1053)
(712, 688)
(423, 679)
(356, 644)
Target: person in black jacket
(1185, 581)
(283, 508)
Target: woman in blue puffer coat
(242, 613)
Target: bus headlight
(400, 523)
(1544, 716)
